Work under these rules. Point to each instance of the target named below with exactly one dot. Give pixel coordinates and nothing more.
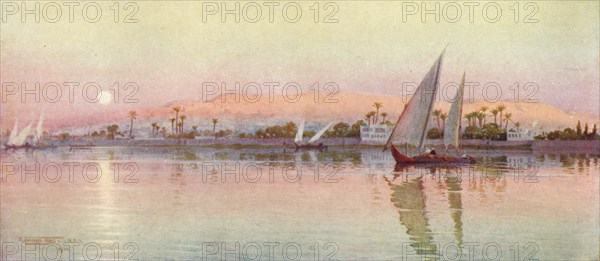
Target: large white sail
(300, 133)
(22, 137)
(321, 132)
(452, 124)
(13, 133)
(412, 123)
(38, 129)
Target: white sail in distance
(321, 132)
(22, 137)
(412, 123)
(300, 133)
(452, 124)
(13, 133)
(38, 129)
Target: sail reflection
(455, 204)
(409, 197)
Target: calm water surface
(267, 204)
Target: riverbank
(587, 145)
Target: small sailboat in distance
(19, 141)
(411, 127)
(300, 133)
(13, 133)
(317, 136)
(38, 129)
(39, 132)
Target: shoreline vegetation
(483, 128)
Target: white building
(519, 135)
(376, 133)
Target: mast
(460, 107)
(437, 76)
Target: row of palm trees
(177, 124)
(439, 115)
(372, 117)
(475, 118)
(478, 117)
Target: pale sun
(105, 97)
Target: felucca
(411, 127)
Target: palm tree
(517, 124)
(377, 105)
(112, 131)
(368, 118)
(473, 119)
(507, 118)
(468, 117)
(176, 109)
(443, 116)
(179, 125)
(480, 115)
(500, 109)
(436, 116)
(132, 116)
(483, 110)
(372, 115)
(214, 122)
(153, 127)
(182, 117)
(384, 115)
(157, 128)
(195, 128)
(495, 113)
(172, 120)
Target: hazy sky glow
(170, 51)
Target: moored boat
(81, 146)
(18, 140)
(319, 146)
(16, 147)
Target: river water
(271, 204)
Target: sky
(172, 47)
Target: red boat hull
(428, 158)
(14, 147)
(310, 147)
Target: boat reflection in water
(409, 197)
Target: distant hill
(346, 106)
(350, 106)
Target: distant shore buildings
(520, 135)
(375, 133)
